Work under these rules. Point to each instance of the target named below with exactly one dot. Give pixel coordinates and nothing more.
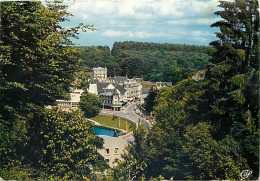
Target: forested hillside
(151, 61)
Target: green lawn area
(110, 122)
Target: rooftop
(99, 68)
(102, 86)
(106, 94)
(119, 79)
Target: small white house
(93, 89)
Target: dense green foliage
(150, 61)
(150, 100)
(205, 129)
(98, 56)
(90, 104)
(68, 147)
(181, 143)
(209, 129)
(233, 78)
(133, 165)
(82, 77)
(60, 145)
(36, 67)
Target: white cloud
(201, 33)
(141, 9)
(131, 34)
(159, 20)
(202, 36)
(198, 21)
(87, 9)
(171, 9)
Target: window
(107, 160)
(116, 150)
(107, 151)
(115, 162)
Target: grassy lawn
(110, 122)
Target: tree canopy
(64, 146)
(90, 104)
(37, 65)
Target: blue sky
(158, 21)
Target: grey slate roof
(119, 79)
(121, 89)
(115, 92)
(102, 85)
(106, 94)
(99, 68)
(108, 90)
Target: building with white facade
(100, 74)
(93, 89)
(110, 94)
(110, 100)
(101, 87)
(133, 88)
(73, 102)
(127, 89)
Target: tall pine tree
(233, 77)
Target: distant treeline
(151, 61)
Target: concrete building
(110, 100)
(102, 87)
(114, 147)
(73, 102)
(110, 94)
(128, 89)
(100, 74)
(93, 89)
(133, 88)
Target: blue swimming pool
(103, 131)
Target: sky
(158, 21)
